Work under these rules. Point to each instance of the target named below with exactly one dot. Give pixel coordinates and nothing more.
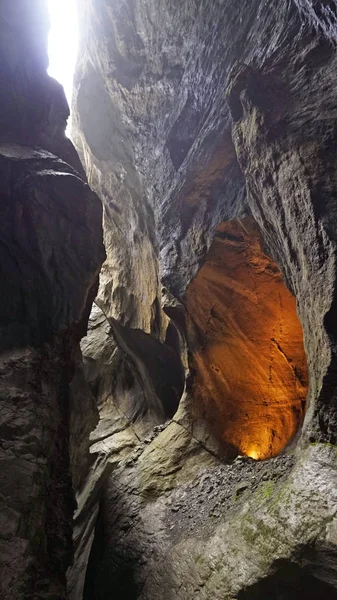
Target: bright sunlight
(63, 41)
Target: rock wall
(246, 345)
(294, 200)
(187, 116)
(123, 476)
(51, 254)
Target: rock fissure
(168, 405)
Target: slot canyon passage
(168, 366)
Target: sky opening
(63, 42)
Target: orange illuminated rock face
(251, 376)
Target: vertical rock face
(189, 118)
(51, 253)
(34, 109)
(294, 202)
(208, 129)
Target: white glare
(63, 41)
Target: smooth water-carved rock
(211, 112)
(293, 202)
(251, 376)
(186, 116)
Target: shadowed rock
(51, 254)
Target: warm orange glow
(251, 375)
(253, 454)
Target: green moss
(200, 558)
(260, 535)
(326, 445)
(323, 444)
(266, 490)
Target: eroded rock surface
(187, 117)
(51, 253)
(192, 119)
(251, 378)
(200, 529)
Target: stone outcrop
(191, 118)
(208, 131)
(51, 253)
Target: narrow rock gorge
(51, 255)
(168, 367)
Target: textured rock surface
(291, 184)
(34, 109)
(187, 116)
(247, 343)
(51, 253)
(218, 534)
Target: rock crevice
(176, 438)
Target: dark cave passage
(246, 341)
(290, 582)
